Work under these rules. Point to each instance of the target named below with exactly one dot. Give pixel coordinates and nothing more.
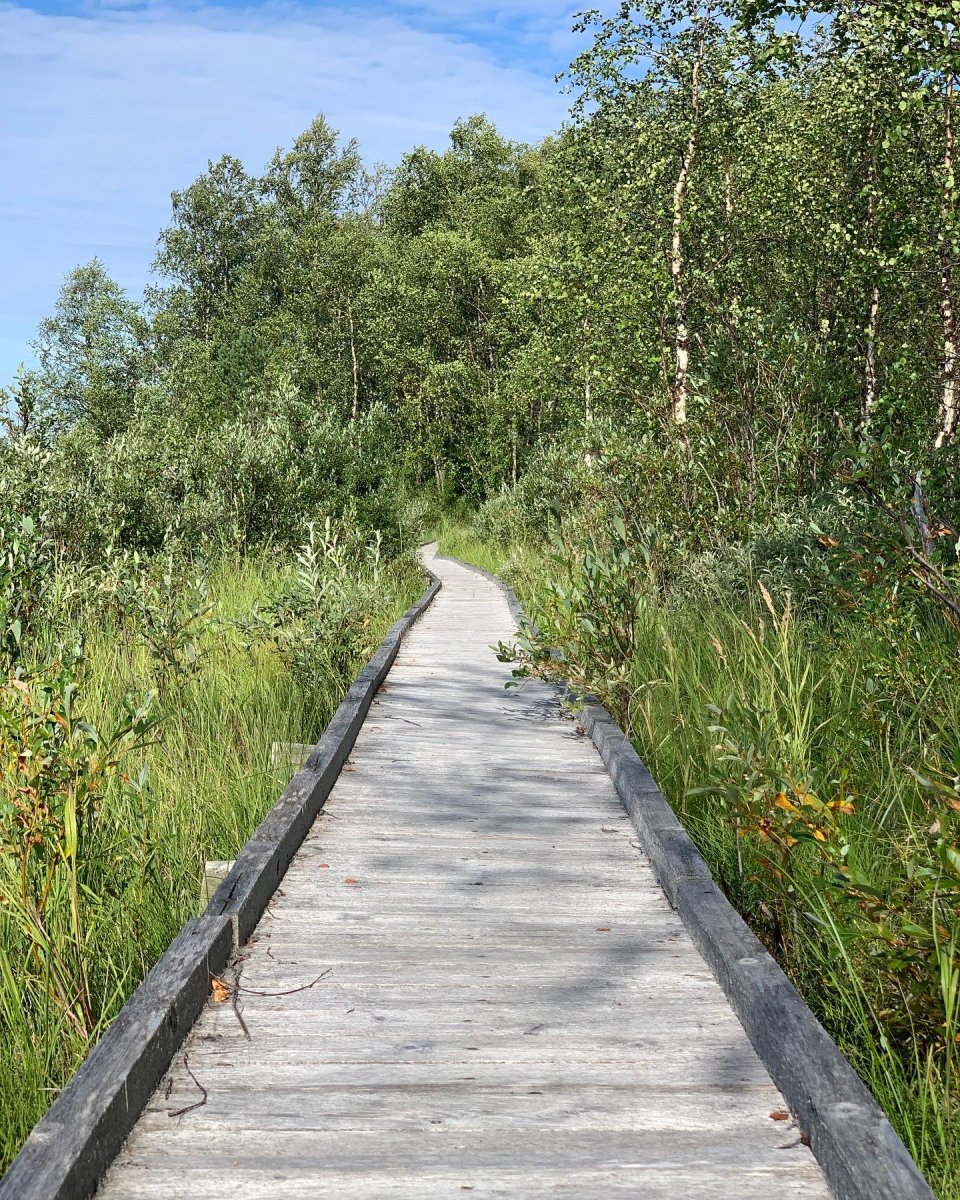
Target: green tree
(654, 88)
(453, 223)
(312, 258)
(913, 46)
(94, 354)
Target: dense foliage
(694, 362)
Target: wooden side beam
(74, 1143)
(71, 1147)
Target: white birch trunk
(355, 407)
(949, 397)
(681, 346)
(869, 399)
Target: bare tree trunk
(681, 343)
(514, 463)
(733, 293)
(948, 313)
(355, 407)
(728, 213)
(587, 384)
(948, 397)
(869, 397)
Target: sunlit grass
(207, 783)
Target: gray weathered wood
(861, 1154)
(289, 756)
(468, 980)
(262, 863)
(71, 1146)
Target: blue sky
(106, 106)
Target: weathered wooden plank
(744, 1078)
(491, 927)
(542, 1013)
(511, 1006)
(245, 892)
(454, 1045)
(711, 1182)
(214, 873)
(289, 756)
(188, 1144)
(241, 1112)
(72, 1145)
(433, 860)
(459, 967)
(861, 1154)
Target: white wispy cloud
(105, 110)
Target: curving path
(508, 1007)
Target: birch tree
(656, 80)
(918, 44)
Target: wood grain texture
(469, 980)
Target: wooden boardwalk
(508, 1004)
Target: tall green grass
(730, 707)
(697, 668)
(195, 792)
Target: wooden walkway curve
(508, 1004)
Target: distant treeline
(741, 248)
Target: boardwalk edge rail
(860, 1152)
(72, 1145)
